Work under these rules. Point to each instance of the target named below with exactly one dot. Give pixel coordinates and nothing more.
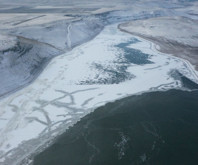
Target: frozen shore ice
(57, 100)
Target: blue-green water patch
(133, 56)
(116, 72)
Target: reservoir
(152, 128)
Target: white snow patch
(6, 42)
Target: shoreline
(162, 44)
(50, 143)
(94, 97)
(109, 110)
(29, 158)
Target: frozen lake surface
(111, 66)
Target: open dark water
(157, 128)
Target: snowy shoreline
(56, 97)
(181, 43)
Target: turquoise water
(133, 56)
(118, 73)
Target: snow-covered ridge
(180, 29)
(7, 42)
(174, 35)
(22, 59)
(56, 33)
